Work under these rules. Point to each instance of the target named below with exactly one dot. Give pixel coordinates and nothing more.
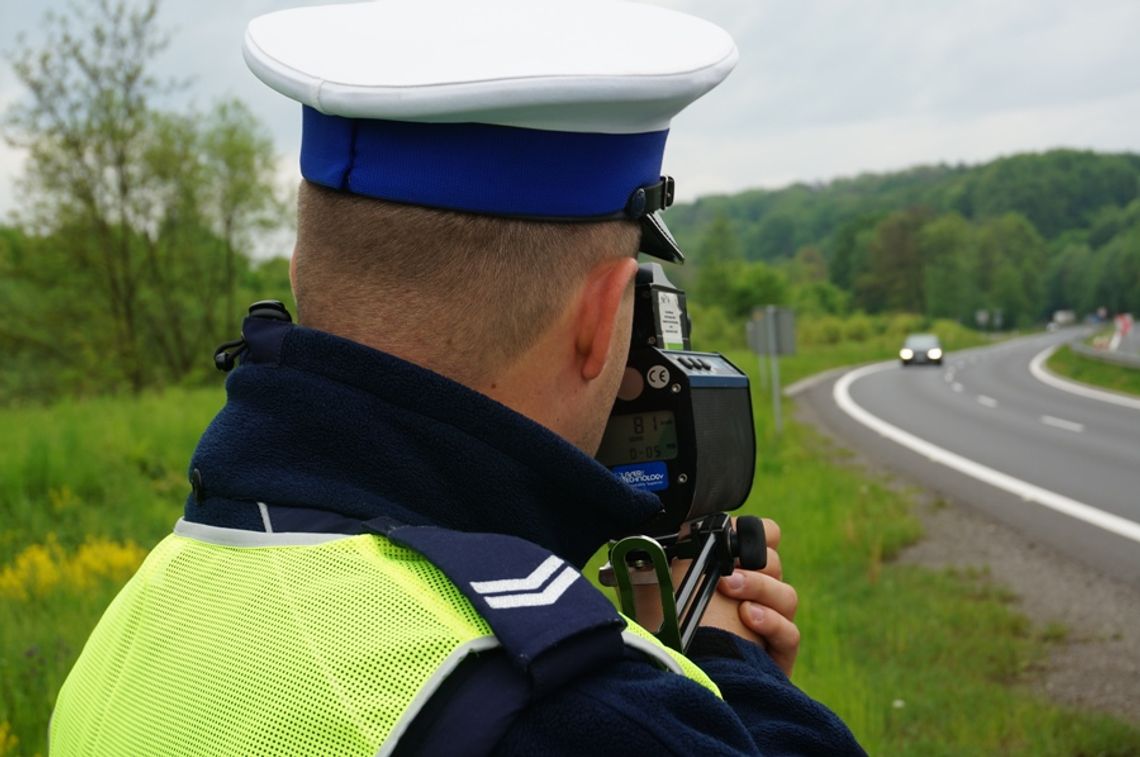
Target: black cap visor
(657, 241)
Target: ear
(599, 307)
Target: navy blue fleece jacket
(314, 421)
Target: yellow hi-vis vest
(230, 642)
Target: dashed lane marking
(1049, 420)
(1027, 491)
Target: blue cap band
(480, 168)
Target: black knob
(751, 546)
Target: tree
(1118, 274)
(1010, 246)
(752, 285)
(850, 258)
(1069, 283)
(819, 298)
(947, 248)
(718, 254)
(1055, 191)
(807, 266)
(726, 281)
(1111, 220)
(84, 131)
(1009, 297)
(893, 279)
(144, 214)
(773, 238)
(238, 158)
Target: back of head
(459, 293)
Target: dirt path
(1097, 664)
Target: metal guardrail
(1116, 358)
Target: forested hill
(1057, 191)
(1023, 235)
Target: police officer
(380, 552)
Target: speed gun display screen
(639, 438)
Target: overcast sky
(824, 88)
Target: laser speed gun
(682, 428)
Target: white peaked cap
(586, 86)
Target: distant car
(919, 349)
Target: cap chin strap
(645, 201)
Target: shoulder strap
(551, 622)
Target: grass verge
(1119, 378)
(86, 488)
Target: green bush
(826, 329)
(901, 324)
(714, 330)
(858, 328)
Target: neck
(558, 400)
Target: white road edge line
(987, 401)
(1037, 368)
(1050, 420)
(957, 387)
(1027, 491)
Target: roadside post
(772, 332)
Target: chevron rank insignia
(527, 591)
(532, 598)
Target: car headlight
(906, 353)
(934, 354)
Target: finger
(781, 636)
(753, 586)
(773, 567)
(724, 613)
(771, 532)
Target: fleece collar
(315, 421)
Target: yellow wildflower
(103, 559)
(40, 568)
(8, 740)
(61, 499)
(34, 571)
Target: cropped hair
(469, 291)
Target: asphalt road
(982, 430)
(1131, 342)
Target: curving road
(984, 430)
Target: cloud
(824, 88)
(828, 88)
(780, 156)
